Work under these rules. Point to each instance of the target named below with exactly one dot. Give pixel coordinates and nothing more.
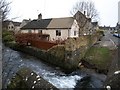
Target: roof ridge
(62, 17)
(52, 18)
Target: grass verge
(99, 57)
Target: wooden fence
(42, 44)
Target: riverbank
(97, 58)
(59, 62)
(48, 72)
(72, 79)
(43, 55)
(92, 79)
(90, 72)
(67, 56)
(113, 77)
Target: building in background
(11, 26)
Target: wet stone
(38, 79)
(37, 76)
(33, 80)
(113, 81)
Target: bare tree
(4, 9)
(86, 6)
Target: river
(14, 61)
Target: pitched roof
(80, 13)
(94, 23)
(16, 23)
(37, 24)
(25, 20)
(61, 23)
(7, 22)
(53, 23)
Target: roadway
(114, 44)
(113, 39)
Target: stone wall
(73, 44)
(73, 51)
(75, 48)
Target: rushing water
(14, 61)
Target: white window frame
(58, 32)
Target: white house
(14, 26)
(56, 28)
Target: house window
(12, 27)
(9, 27)
(36, 31)
(75, 33)
(40, 31)
(58, 32)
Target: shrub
(5, 33)
(8, 38)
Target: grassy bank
(99, 58)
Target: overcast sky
(25, 9)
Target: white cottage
(12, 26)
(56, 28)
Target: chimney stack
(89, 19)
(84, 12)
(40, 16)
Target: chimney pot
(40, 16)
(84, 12)
(89, 19)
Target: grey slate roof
(25, 20)
(16, 23)
(37, 24)
(53, 23)
(94, 23)
(7, 22)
